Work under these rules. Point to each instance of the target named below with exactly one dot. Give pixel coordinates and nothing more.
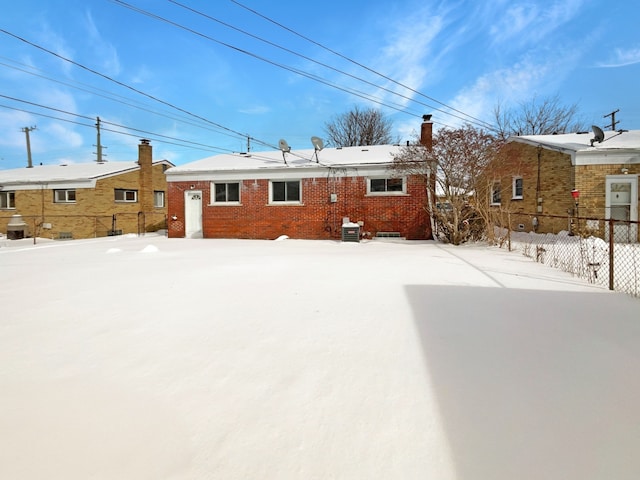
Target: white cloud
(102, 49)
(255, 110)
(508, 85)
(622, 57)
(528, 23)
(63, 136)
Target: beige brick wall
(557, 179)
(92, 213)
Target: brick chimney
(145, 152)
(426, 132)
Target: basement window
(126, 196)
(226, 192)
(7, 200)
(386, 186)
(158, 199)
(64, 195)
(517, 188)
(285, 192)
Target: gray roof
(69, 173)
(375, 155)
(581, 142)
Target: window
(226, 192)
(64, 196)
(386, 186)
(7, 199)
(517, 188)
(285, 192)
(496, 194)
(158, 199)
(129, 196)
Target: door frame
(193, 214)
(623, 232)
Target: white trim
(386, 193)
(285, 202)
(514, 196)
(212, 193)
(281, 173)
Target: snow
(154, 358)
(273, 159)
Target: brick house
(302, 194)
(85, 200)
(549, 179)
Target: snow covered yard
(155, 358)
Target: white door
(622, 204)
(193, 213)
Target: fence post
(611, 243)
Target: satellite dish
(317, 143)
(284, 146)
(598, 134)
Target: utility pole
(248, 143)
(26, 131)
(99, 146)
(613, 124)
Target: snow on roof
(328, 157)
(72, 172)
(578, 142)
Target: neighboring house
(302, 194)
(85, 200)
(545, 181)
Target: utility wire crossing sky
(200, 79)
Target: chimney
(146, 175)
(426, 132)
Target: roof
(69, 173)
(374, 155)
(581, 142)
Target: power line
(115, 98)
(158, 136)
(122, 84)
(344, 57)
(271, 62)
(151, 135)
(305, 57)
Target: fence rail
(64, 227)
(607, 253)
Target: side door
(193, 213)
(621, 203)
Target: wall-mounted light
(624, 170)
(174, 217)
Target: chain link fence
(603, 251)
(67, 227)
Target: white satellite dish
(318, 144)
(598, 134)
(284, 146)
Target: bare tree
(453, 174)
(544, 116)
(358, 128)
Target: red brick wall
(317, 218)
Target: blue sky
(199, 86)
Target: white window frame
(126, 193)
(215, 201)
(64, 195)
(8, 200)
(285, 202)
(495, 186)
(386, 191)
(514, 188)
(158, 198)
